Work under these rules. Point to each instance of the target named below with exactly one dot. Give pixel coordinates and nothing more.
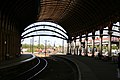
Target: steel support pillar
(93, 43)
(86, 45)
(101, 39)
(0, 40)
(93, 46)
(100, 51)
(109, 35)
(68, 49)
(119, 36)
(80, 45)
(109, 43)
(80, 48)
(74, 46)
(119, 44)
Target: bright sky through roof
(50, 40)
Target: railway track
(59, 69)
(71, 64)
(32, 73)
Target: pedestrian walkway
(17, 60)
(94, 69)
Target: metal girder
(45, 35)
(45, 25)
(44, 30)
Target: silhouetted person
(119, 61)
(118, 65)
(99, 56)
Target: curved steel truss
(40, 30)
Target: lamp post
(32, 45)
(63, 46)
(39, 45)
(39, 42)
(54, 45)
(46, 47)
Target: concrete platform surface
(15, 61)
(94, 69)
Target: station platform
(94, 69)
(16, 61)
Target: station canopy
(75, 16)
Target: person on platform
(118, 65)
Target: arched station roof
(44, 29)
(75, 16)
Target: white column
(75, 47)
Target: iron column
(109, 35)
(101, 37)
(93, 43)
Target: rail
(32, 72)
(38, 71)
